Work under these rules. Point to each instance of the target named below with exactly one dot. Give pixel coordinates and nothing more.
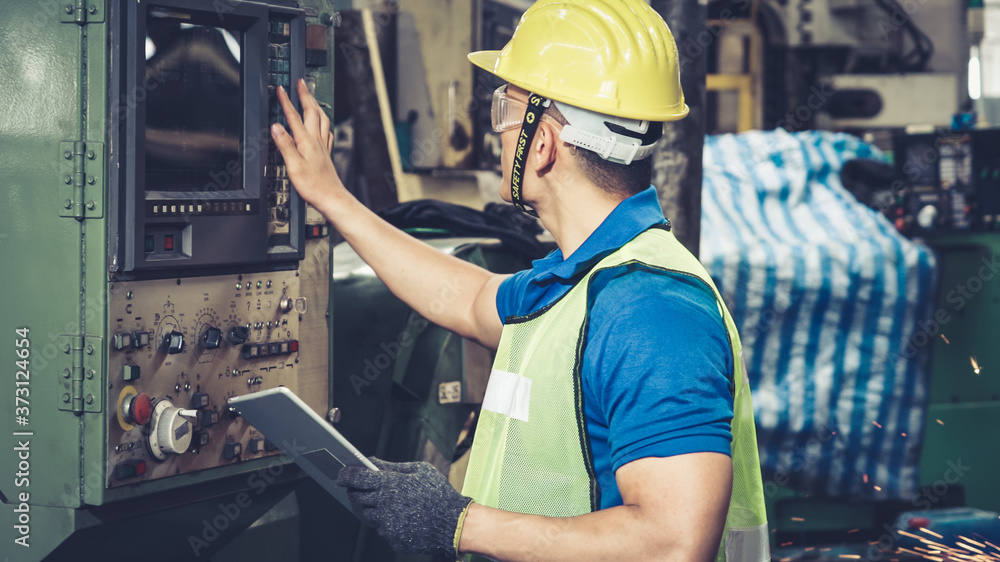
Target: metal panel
(41, 252)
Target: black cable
(923, 48)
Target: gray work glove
(411, 504)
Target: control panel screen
(194, 114)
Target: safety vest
(531, 453)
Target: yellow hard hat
(615, 57)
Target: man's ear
(544, 146)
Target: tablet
(319, 449)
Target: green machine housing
(158, 262)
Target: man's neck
(572, 215)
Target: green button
(130, 372)
(149, 244)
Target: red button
(140, 468)
(142, 409)
(294, 346)
(168, 242)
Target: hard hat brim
(487, 60)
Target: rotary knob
(238, 335)
(173, 342)
(212, 338)
(927, 216)
(286, 304)
(169, 430)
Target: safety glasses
(508, 113)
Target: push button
(232, 450)
(130, 469)
(130, 372)
(122, 340)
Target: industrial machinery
(948, 182)
(159, 262)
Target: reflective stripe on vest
(531, 453)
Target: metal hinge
(82, 12)
(81, 172)
(80, 388)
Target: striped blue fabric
(827, 296)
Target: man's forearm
(440, 287)
(617, 533)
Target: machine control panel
(180, 348)
(949, 182)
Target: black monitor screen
(194, 105)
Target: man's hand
(307, 150)
(412, 505)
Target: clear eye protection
(508, 113)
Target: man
(617, 422)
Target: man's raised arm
(446, 290)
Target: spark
(877, 489)
(865, 478)
(945, 339)
(970, 541)
(877, 424)
(797, 519)
(969, 547)
(787, 543)
(975, 365)
(993, 545)
(853, 556)
(903, 434)
(930, 532)
(853, 531)
(939, 421)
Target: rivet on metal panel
(66, 373)
(90, 399)
(68, 154)
(69, 8)
(93, 10)
(91, 373)
(91, 180)
(91, 205)
(66, 397)
(66, 348)
(90, 350)
(91, 155)
(67, 204)
(67, 179)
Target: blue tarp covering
(827, 297)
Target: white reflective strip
(748, 544)
(508, 394)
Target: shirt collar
(629, 219)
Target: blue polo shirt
(656, 363)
